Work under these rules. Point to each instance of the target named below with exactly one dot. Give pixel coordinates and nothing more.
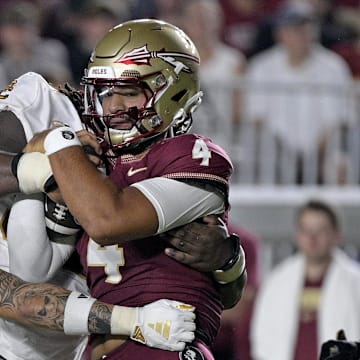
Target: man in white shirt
(299, 93)
(310, 295)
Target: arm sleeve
(32, 256)
(177, 203)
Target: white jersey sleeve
(174, 210)
(37, 104)
(32, 256)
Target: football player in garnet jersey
(30, 91)
(141, 88)
(43, 103)
(16, 297)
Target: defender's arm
(12, 141)
(52, 307)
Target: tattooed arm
(43, 305)
(52, 307)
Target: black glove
(340, 349)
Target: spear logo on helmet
(142, 56)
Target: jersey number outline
(201, 151)
(110, 257)
(7, 89)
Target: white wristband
(33, 171)
(76, 313)
(123, 320)
(60, 138)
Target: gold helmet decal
(142, 56)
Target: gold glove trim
(138, 335)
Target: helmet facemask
(144, 119)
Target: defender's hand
(36, 144)
(203, 246)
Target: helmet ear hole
(178, 96)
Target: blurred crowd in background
(279, 76)
(65, 31)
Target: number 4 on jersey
(201, 151)
(109, 257)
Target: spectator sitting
(308, 297)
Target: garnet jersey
(137, 272)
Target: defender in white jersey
(36, 104)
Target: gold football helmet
(154, 55)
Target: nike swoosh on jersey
(132, 171)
